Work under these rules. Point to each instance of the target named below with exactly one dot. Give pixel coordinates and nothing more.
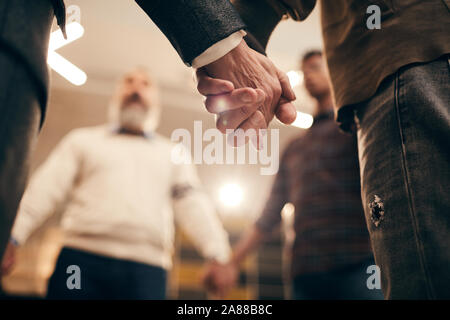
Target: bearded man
(121, 196)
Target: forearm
(195, 215)
(247, 244)
(48, 188)
(26, 222)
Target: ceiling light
(295, 78)
(66, 69)
(58, 63)
(74, 31)
(303, 120)
(231, 194)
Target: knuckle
(277, 91)
(268, 100)
(257, 119)
(209, 105)
(244, 111)
(222, 124)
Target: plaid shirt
(319, 175)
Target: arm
(249, 242)
(262, 16)
(269, 219)
(47, 189)
(192, 26)
(221, 280)
(196, 216)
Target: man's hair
(311, 53)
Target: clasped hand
(245, 90)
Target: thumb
(286, 111)
(286, 89)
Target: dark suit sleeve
(262, 16)
(192, 26)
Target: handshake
(218, 279)
(245, 90)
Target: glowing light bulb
(58, 63)
(231, 194)
(74, 31)
(295, 78)
(303, 120)
(66, 69)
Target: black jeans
(105, 278)
(349, 283)
(24, 26)
(19, 122)
(404, 152)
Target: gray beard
(132, 118)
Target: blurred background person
(121, 195)
(319, 175)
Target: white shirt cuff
(219, 49)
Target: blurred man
(121, 195)
(319, 175)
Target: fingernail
(224, 88)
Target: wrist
(232, 55)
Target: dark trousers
(19, 123)
(21, 25)
(404, 152)
(102, 277)
(349, 283)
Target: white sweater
(121, 196)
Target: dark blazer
(24, 35)
(192, 26)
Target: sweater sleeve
(196, 215)
(47, 189)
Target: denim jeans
(349, 283)
(103, 277)
(404, 152)
(19, 122)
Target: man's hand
(245, 89)
(218, 279)
(9, 259)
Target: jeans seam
(7, 114)
(406, 178)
